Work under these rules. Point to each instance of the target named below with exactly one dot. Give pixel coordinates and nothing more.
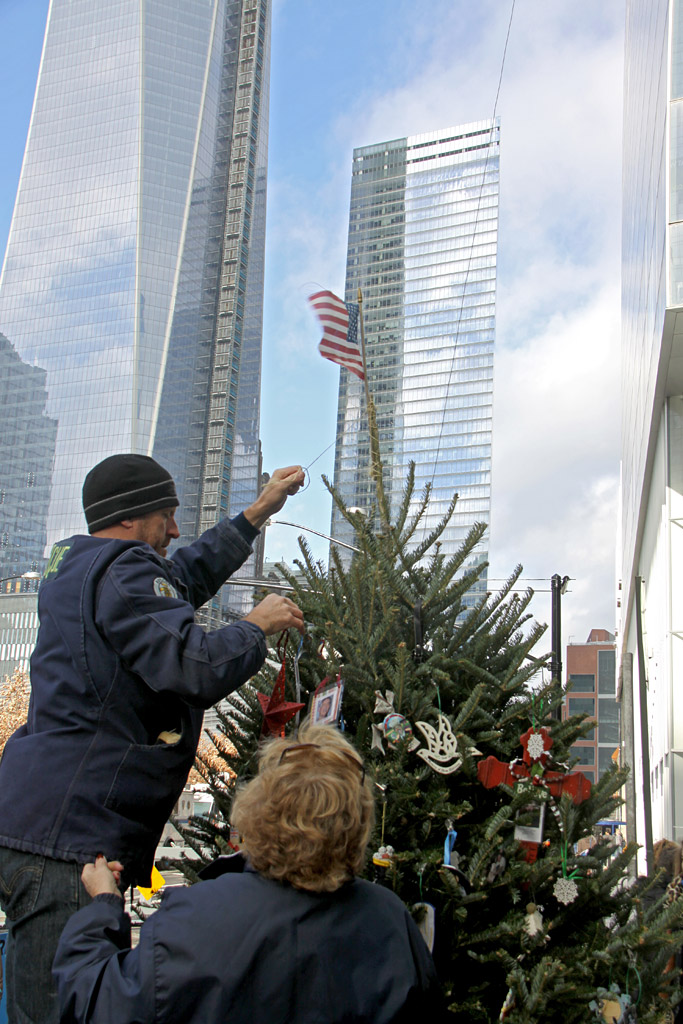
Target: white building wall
(651, 512)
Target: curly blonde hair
(306, 817)
(667, 855)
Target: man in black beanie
(120, 678)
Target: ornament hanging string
(563, 857)
(384, 817)
(637, 974)
(632, 964)
(307, 468)
(297, 677)
(448, 845)
(282, 642)
(438, 696)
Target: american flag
(340, 331)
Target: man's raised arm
(282, 484)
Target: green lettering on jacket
(56, 556)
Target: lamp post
(558, 587)
(30, 575)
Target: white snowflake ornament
(535, 746)
(565, 890)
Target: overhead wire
(472, 243)
(468, 268)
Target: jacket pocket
(148, 782)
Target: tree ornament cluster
(479, 809)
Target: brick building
(592, 689)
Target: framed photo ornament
(325, 707)
(533, 816)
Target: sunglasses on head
(316, 746)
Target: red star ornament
(276, 710)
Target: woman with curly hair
(294, 938)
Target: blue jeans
(38, 896)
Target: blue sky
(365, 71)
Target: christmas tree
(15, 692)
(479, 810)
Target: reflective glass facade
(422, 246)
(133, 277)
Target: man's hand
(282, 483)
(276, 613)
(102, 876)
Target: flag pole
(375, 460)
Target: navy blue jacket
(248, 950)
(118, 661)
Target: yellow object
(611, 1010)
(169, 737)
(158, 882)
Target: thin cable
(307, 468)
(472, 243)
(319, 456)
(530, 579)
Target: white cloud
(555, 469)
(556, 376)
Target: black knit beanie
(123, 487)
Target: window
(582, 683)
(606, 672)
(582, 705)
(585, 755)
(608, 721)
(605, 758)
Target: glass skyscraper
(650, 599)
(422, 247)
(132, 284)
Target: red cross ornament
(530, 768)
(492, 772)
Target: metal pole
(556, 628)
(629, 755)
(644, 732)
(558, 585)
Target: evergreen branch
(468, 708)
(405, 530)
(500, 818)
(473, 537)
(404, 504)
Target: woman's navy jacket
(118, 661)
(249, 950)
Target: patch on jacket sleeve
(56, 557)
(162, 588)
